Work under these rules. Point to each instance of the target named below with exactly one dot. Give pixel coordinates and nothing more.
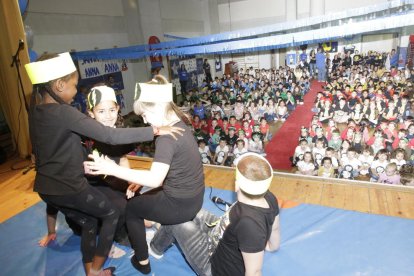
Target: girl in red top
(247, 129)
(264, 130)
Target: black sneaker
(144, 269)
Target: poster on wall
(107, 72)
(194, 67)
(156, 61)
(402, 57)
(291, 60)
(329, 46)
(218, 63)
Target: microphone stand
(16, 64)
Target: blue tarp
(315, 240)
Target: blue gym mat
(315, 240)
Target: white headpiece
(252, 187)
(153, 93)
(99, 94)
(50, 69)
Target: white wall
(335, 6)
(250, 13)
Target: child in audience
(256, 143)
(390, 175)
(377, 142)
(215, 139)
(231, 138)
(281, 111)
(330, 128)
(366, 157)
(243, 137)
(307, 165)
(346, 144)
(358, 143)
(407, 175)
(336, 140)
(326, 169)
(239, 150)
(326, 112)
(270, 113)
(378, 165)
(319, 135)
(204, 152)
(221, 153)
(304, 134)
(300, 151)
(351, 160)
(247, 129)
(330, 152)
(399, 158)
(239, 110)
(318, 151)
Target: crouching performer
(234, 243)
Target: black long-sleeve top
(55, 133)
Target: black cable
(211, 190)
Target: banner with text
(91, 68)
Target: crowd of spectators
(232, 115)
(363, 125)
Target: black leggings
(157, 206)
(87, 209)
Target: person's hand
(132, 189)
(169, 130)
(47, 239)
(100, 165)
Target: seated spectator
(256, 144)
(307, 165)
(398, 158)
(378, 165)
(336, 141)
(351, 160)
(318, 152)
(390, 175)
(326, 169)
(281, 111)
(366, 157)
(204, 152)
(300, 151)
(407, 175)
(330, 152)
(239, 150)
(221, 153)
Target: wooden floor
(16, 193)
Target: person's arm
(86, 126)
(153, 177)
(253, 263)
(273, 243)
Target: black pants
(183, 84)
(87, 209)
(118, 199)
(159, 207)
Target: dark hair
(41, 89)
(407, 174)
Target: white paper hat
(153, 93)
(249, 186)
(100, 94)
(50, 69)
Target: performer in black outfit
(55, 131)
(176, 171)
